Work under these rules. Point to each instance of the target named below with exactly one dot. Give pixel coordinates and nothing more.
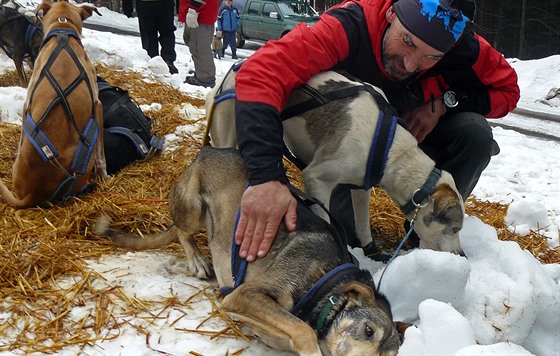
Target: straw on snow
(40, 245)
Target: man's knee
(473, 134)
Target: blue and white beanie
(435, 22)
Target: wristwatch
(450, 99)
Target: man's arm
(263, 85)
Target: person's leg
(148, 30)
(342, 209)
(190, 35)
(462, 144)
(166, 29)
(226, 41)
(233, 45)
(127, 7)
(187, 36)
(205, 69)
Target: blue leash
(399, 248)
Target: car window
(297, 8)
(268, 8)
(254, 8)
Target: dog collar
(305, 307)
(420, 195)
(322, 323)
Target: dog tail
(11, 199)
(103, 227)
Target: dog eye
(369, 332)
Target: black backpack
(126, 129)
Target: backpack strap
(156, 144)
(141, 147)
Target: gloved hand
(192, 18)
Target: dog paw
(199, 266)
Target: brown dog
(63, 117)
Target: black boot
(372, 251)
(172, 68)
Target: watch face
(449, 99)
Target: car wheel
(239, 40)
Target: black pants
(156, 17)
(461, 144)
(127, 8)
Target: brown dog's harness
(88, 137)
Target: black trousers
(156, 22)
(127, 7)
(461, 144)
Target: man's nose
(411, 63)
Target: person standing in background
(157, 17)
(199, 17)
(228, 23)
(127, 8)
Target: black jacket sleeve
(259, 136)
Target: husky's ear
(445, 199)
(358, 293)
(447, 209)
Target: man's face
(403, 54)
(229, 3)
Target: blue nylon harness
(382, 138)
(46, 149)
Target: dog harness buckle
(48, 153)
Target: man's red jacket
(207, 13)
(349, 37)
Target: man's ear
(390, 14)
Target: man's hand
(192, 18)
(422, 120)
(262, 208)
